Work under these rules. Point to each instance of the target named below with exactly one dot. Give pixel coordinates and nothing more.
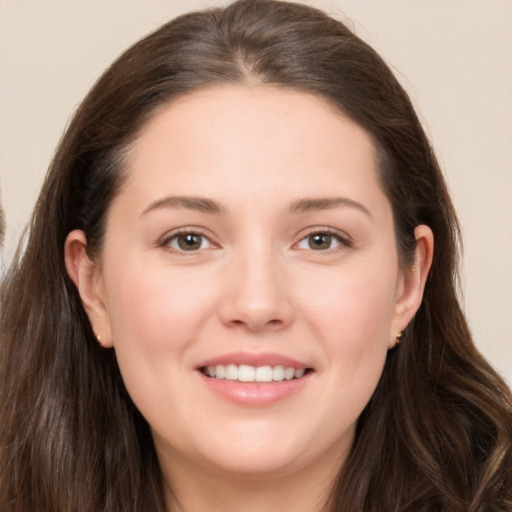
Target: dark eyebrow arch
(324, 203)
(200, 204)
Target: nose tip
(257, 299)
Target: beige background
(453, 56)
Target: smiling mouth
(246, 373)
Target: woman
(229, 297)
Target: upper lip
(254, 359)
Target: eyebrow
(205, 205)
(325, 203)
(200, 204)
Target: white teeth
(231, 372)
(278, 373)
(299, 373)
(263, 374)
(289, 373)
(246, 373)
(220, 371)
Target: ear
(412, 283)
(88, 280)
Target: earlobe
(413, 282)
(87, 278)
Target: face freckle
(251, 232)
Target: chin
(257, 463)
(269, 450)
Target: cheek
(155, 319)
(157, 308)
(351, 304)
(352, 317)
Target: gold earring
(98, 337)
(398, 338)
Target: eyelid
(164, 240)
(343, 238)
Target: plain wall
(453, 56)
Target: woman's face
(252, 241)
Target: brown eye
(319, 241)
(188, 242)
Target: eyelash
(343, 241)
(174, 237)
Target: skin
(256, 284)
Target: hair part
(437, 433)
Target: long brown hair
(436, 435)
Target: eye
(321, 241)
(188, 242)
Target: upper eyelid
(169, 235)
(341, 235)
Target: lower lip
(255, 394)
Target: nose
(257, 294)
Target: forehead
(284, 111)
(249, 141)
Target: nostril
(273, 322)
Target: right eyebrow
(200, 204)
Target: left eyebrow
(325, 203)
